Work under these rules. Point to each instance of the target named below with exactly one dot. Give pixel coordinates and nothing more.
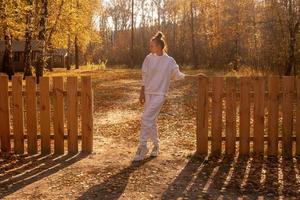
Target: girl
(157, 70)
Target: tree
(7, 58)
(42, 62)
(293, 23)
(194, 55)
(132, 32)
(28, 38)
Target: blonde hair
(159, 38)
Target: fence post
(287, 115)
(31, 114)
(230, 115)
(18, 118)
(72, 114)
(259, 115)
(273, 114)
(217, 104)
(244, 145)
(58, 119)
(202, 117)
(4, 115)
(298, 118)
(45, 115)
(87, 114)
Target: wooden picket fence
(45, 117)
(249, 115)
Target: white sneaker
(141, 153)
(155, 151)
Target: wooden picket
(244, 116)
(58, 120)
(259, 106)
(254, 109)
(31, 115)
(287, 118)
(230, 115)
(17, 112)
(273, 111)
(42, 117)
(202, 117)
(217, 115)
(45, 114)
(72, 114)
(298, 117)
(86, 113)
(4, 115)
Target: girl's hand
(142, 95)
(202, 75)
(142, 98)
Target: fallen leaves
(175, 174)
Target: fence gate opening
(249, 115)
(46, 117)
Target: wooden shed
(18, 53)
(56, 57)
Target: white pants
(153, 104)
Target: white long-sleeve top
(157, 73)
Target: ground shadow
(22, 171)
(113, 187)
(240, 177)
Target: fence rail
(46, 116)
(248, 115)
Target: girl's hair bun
(159, 35)
(159, 38)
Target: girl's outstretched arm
(190, 77)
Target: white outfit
(157, 72)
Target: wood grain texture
(202, 117)
(72, 114)
(58, 118)
(31, 114)
(45, 115)
(18, 114)
(245, 86)
(4, 115)
(87, 114)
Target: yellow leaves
(76, 19)
(12, 14)
(64, 17)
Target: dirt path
(109, 174)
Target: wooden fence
(257, 115)
(43, 116)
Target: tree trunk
(76, 53)
(69, 53)
(28, 38)
(132, 31)
(76, 45)
(293, 29)
(194, 55)
(174, 35)
(236, 62)
(42, 63)
(7, 58)
(291, 62)
(143, 27)
(52, 29)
